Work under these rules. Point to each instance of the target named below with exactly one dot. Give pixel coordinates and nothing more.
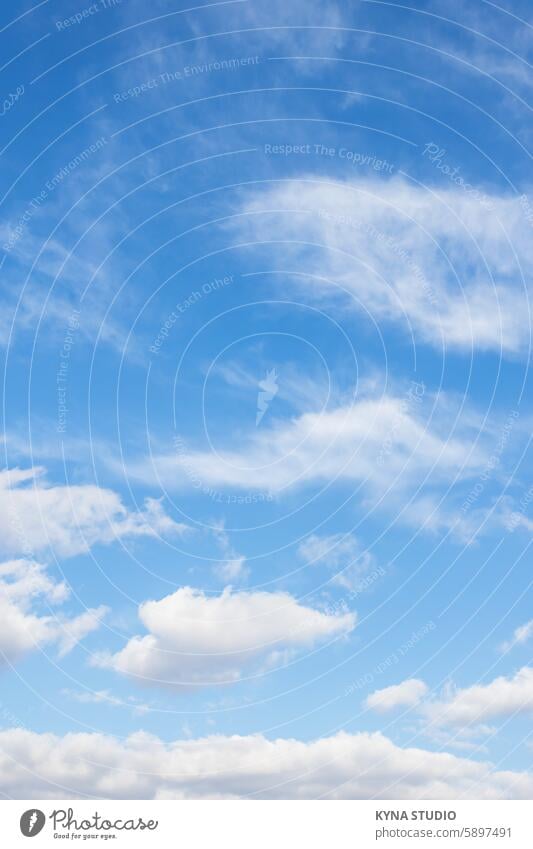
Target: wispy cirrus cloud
(521, 635)
(342, 553)
(437, 262)
(344, 443)
(105, 697)
(233, 566)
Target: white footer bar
(268, 824)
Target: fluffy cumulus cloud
(195, 639)
(445, 265)
(407, 694)
(345, 766)
(35, 516)
(28, 596)
(504, 696)
(463, 709)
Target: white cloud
(23, 586)
(233, 567)
(378, 442)
(513, 519)
(520, 636)
(70, 519)
(439, 262)
(74, 630)
(467, 738)
(333, 550)
(400, 449)
(21, 581)
(195, 639)
(345, 766)
(24, 305)
(466, 710)
(299, 28)
(407, 694)
(342, 552)
(98, 697)
(501, 697)
(302, 391)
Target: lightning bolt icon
(33, 820)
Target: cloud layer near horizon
(344, 766)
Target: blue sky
(266, 489)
